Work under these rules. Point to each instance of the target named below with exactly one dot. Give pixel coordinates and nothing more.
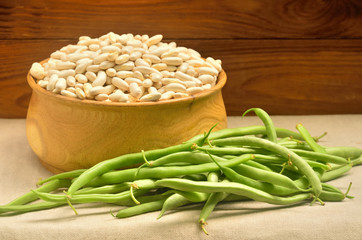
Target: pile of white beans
(126, 68)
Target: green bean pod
(231, 187)
(336, 173)
(172, 202)
(29, 207)
(140, 209)
(303, 167)
(63, 175)
(309, 139)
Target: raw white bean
(145, 70)
(108, 81)
(207, 70)
(135, 90)
(159, 51)
(171, 53)
(42, 83)
(127, 50)
(70, 89)
(110, 49)
(138, 75)
(184, 56)
(101, 97)
(157, 85)
(156, 77)
(141, 62)
(91, 76)
(189, 84)
(120, 83)
(93, 68)
(144, 37)
(133, 80)
(167, 81)
(81, 67)
(86, 88)
(109, 89)
(58, 55)
(122, 59)
(206, 86)
(124, 74)
(134, 43)
(111, 72)
(180, 95)
(151, 97)
(60, 85)
(175, 61)
(152, 90)
(100, 58)
(159, 66)
(68, 93)
(52, 72)
(128, 66)
(100, 80)
(154, 40)
(176, 87)
(206, 78)
(196, 62)
(37, 70)
(73, 57)
(80, 85)
(171, 68)
(93, 47)
(194, 90)
(66, 73)
(112, 56)
(183, 67)
(152, 58)
(135, 55)
(214, 63)
(118, 96)
(167, 95)
(183, 76)
(65, 65)
(80, 93)
(106, 64)
(96, 90)
(81, 78)
(147, 83)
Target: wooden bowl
(68, 134)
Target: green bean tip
(203, 223)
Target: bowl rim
(221, 81)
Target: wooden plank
(35, 19)
(281, 76)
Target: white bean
(154, 40)
(65, 65)
(159, 66)
(42, 83)
(141, 62)
(60, 85)
(207, 70)
(93, 47)
(101, 97)
(120, 83)
(112, 56)
(70, 89)
(214, 63)
(100, 58)
(109, 89)
(68, 93)
(81, 78)
(66, 73)
(134, 43)
(176, 87)
(111, 72)
(138, 75)
(93, 68)
(110, 49)
(135, 55)
(151, 97)
(175, 61)
(81, 67)
(86, 88)
(156, 77)
(133, 80)
(145, 70)
(167, 81)
(91, 76)
(159, 51)
(100, 80)
(135, 90)
(147, 83)
(73, 57)
(206, 78)
(118, 96)
(122, 59)
(124, 74)
(180, 95)
(96, 90)
(183, 76)
(153, 58)
(128, 66)
(194, 90)
(167, 95)
(106, 64)
(80, 93)
(37, 70)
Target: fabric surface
(20, 170)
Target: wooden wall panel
(287, 56)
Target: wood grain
(68, 19)
(284, 77)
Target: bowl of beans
(118, 94)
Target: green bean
(356, 161)
(209, 206)
(268, 123)
(29, 207)
(345, 152)
(331, 193)
(336, 173)
(309, 139)
(30, 196)
(162, 172)
(140, 209)
(127, 160)
(63, 175)
(230, 150)
(195, 177)
(142, 199)
(303, 167)
(115, 188)
(234, 188)
(258, 165)
(172, 202)
(325, 157)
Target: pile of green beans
(262, 163)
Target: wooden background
(286, 56)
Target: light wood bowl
(68, 134)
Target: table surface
(20, 169)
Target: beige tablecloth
(20, 170)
